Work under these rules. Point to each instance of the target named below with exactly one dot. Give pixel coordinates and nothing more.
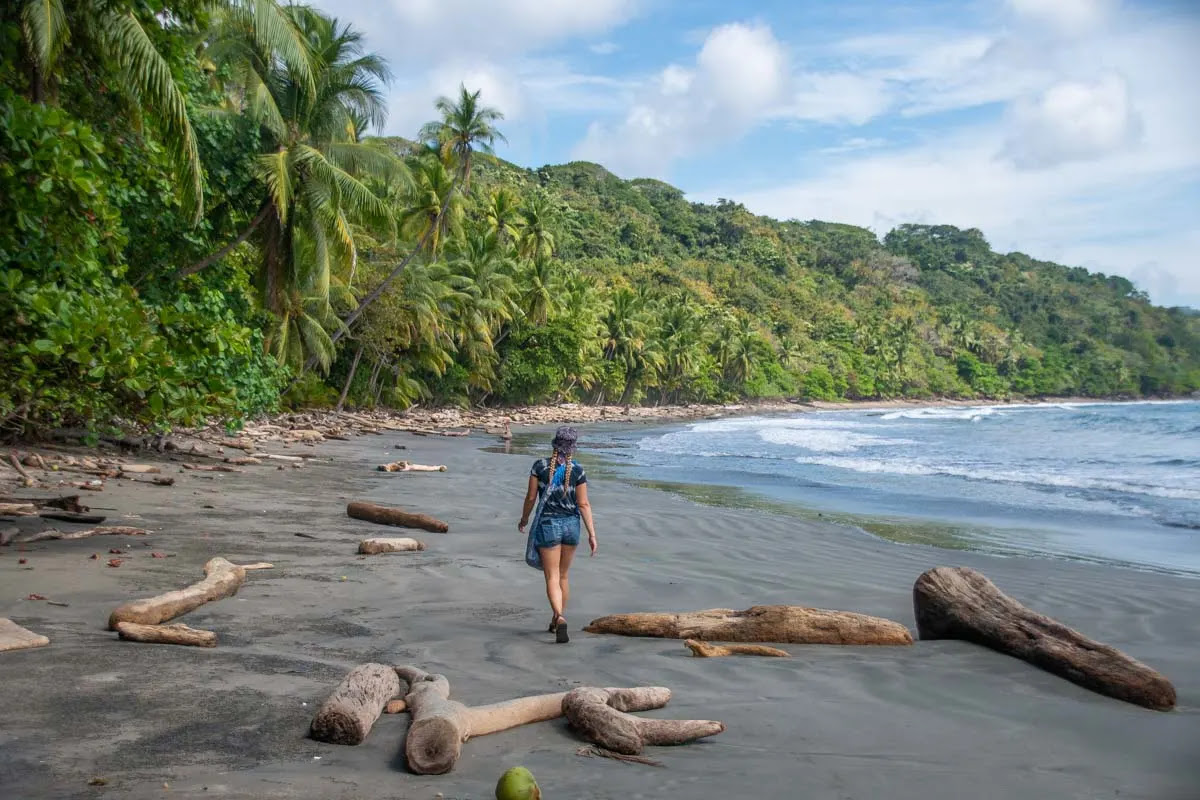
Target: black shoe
(560, 633)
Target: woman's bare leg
(564, 565)
(550, 568)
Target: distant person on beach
(561, 486)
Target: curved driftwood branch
(166, 634)
(599, 716)
(347, 716)
(441, 725)
(108, 530)
(222, 579)
(960, 603)
(386, 515)
(791, 624)
(704, 650)
(378, 545)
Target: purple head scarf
(564, 440)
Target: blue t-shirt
(559, 503)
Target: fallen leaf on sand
(36, 597)
(114, 562)
(98, 782)
(94, 556)
(22, 560)
(116, 551)
(158, 555)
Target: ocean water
(1113, 483)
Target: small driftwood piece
(791, 624)
(388, 515)
(107, 530)
(71, 516)
(408, 466)
(704, 650)
(961, 603)
(599, 716)
(16, 464)
(68, 502)
(18, 510)
(222, 579)
(280, 457)
(347, 716)
(371, 547)
(166, 634)
(14, 637)
(139, 469)
(211, 468)
(441, 725)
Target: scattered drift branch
(371, 547)
(166, 634)
(14, 637)
(388, 515)
(961, 603)
(703, 650)
(599, 716)
(222, 579)
(347, 716)
(791, 624)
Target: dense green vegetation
(195, 222)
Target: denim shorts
(553, 531)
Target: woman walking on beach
(561, 485)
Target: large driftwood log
(441, 725)
(408, 466)
(108, 530)
(378, 545)
(599, 716)
(14, 637)
(704, 650)
(792, 624)
(18, 510)
(222, 579)
(166, 634)
(347, 716)
(388, 515)
(960, 603)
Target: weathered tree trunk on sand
(702, 650)
(109, 530)
(14, 637)
(222, 579)
(18, 510)
(387, 515)
(791, 624)
(407, 466)
(599, 716)
(68, 502)
(960, 603)
(371, 547)
(166, 634)
(347, 716)
(441, 725)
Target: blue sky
(1067, 129)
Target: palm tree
(434, 209)
(539, 290)
(537, 239)
(481, 273)
(465, 127)
(503, 215)
(315, 173)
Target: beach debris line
(961, 603)
(517, 783)
(14, 637)
(704, 650)
(347, 716)
(789, 624)
(222, 578)
(599, 715)
(390, 515)
(408, 466)
(371, 547)
(166, 634)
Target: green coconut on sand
(517, 783)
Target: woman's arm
(585, 511)
(531, 495)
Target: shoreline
(231, 721)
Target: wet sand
(936, 720)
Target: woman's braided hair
(563, 446)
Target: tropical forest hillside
(196, 222)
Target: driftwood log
(166, 634)
(441, 725)
(221, 579)
(18, 510)
(378, 545)
(139, 469)
(599, 716)
(71, 516)
(347, 716)
(960, 603)
(68, 502)
(389, 515)
(14, 637)
(705, 650)
(791, 624)
(108, 530)
(408, 466)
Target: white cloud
(740, 76)
(1068, 16)
(604, 48)
(1072, 121)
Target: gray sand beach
(935, 720)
